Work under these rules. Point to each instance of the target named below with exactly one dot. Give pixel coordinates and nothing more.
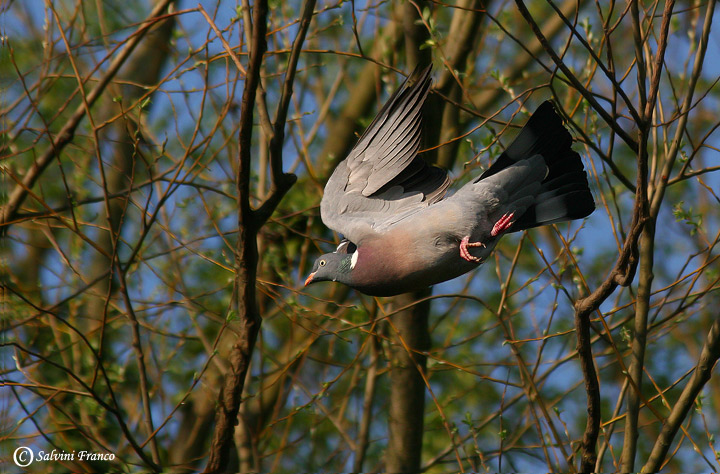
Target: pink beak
(309, 279)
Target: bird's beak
(309, 279)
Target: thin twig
(249, 223)
(611, 77)
(244, 303)
(368, 400)
(573, 79)
(647, 240)
(222, 39)
(142, 368)
(65, 135)
(708, 358)
(281, 182)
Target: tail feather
(564, 193)
(555, 209)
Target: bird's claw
(465, 253)
(502, 224)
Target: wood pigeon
(402, 233)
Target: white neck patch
(354, 259)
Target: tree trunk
(409, 332)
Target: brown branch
(573, 79)
(659, 59)
(639, 55)
(622, 274)
(65, 135)
(601, 65)
(246, 258)
(465, 28)
(114, 409)
(529, 384)
(711, 350)
(625, 266)
(249, 223)
(550, 27)
(282, 182)
(592, 388)
(703, 370)
(627, 262)
(647, 243)
(354, 28)
(142, 368)
(684, 112)
(639, 343)
(368, 398)
(226, 46)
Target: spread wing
(383, 180)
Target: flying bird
(401, 230)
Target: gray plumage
(383, 180)
(403, 233)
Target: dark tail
(565, 194)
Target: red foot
(465, 254)
(503, 224)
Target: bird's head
(333, 267)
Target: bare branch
(245, 262)
(250, 222)
(574, 80)
(703, 370)
(282, 182)
(65, 135)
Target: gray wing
(383, 180)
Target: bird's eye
(322, 263)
